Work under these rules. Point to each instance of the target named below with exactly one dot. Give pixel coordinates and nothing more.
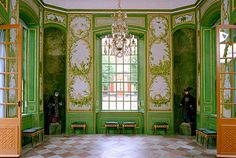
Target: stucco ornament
(160, 84)
(158, 25)
(80, 54)
(80, 88)
(80, 26)
(160, 52)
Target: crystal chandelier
(120, 42)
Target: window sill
(135, 111)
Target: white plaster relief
(159, 53)
(159, 25)
(51, 17)
(80, 26)
(80, 54)
(159, 88)
(184, 19)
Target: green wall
(54, 68)
(184, 53)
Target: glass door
(226, 90)
(10, 90)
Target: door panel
(10, 90)
(226, 91)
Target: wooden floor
(120, 146)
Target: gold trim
(5, 6)
(233, 6)
(185, 22)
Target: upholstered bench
(208, 134)
(78, 125)
(126, 125)
(111, 124)
(160, 125)
(32, 132)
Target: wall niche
(54, 71)
(184, 55)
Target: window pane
(119, 82)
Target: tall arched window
(119, 81)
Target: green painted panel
(208, 62)
(153, 117)
(26, 121)
(80, 116)
(32, 65)
(120, 117)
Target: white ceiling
(125, 4)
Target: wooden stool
(129, 125)
(111, 124)
(78, 125)
(160, 125)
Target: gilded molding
(233, 5)
(4, 4)
(52, 17)
(186, 18)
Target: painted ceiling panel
(125, 4)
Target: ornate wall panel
(186, 18)
(159, 68)
(52, 17)
(79, 76)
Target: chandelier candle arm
(120, 42)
